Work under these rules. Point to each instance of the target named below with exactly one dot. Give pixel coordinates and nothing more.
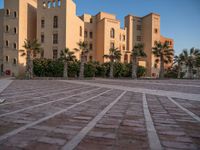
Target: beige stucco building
(145, 30)
(56, 26)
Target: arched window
(7, 28)
(7, 43)
(44, 5)
(81, 30)
(55, 21)
(126, 58)
(14, 61)
(15, 14)
(49, 4)
(14, 45)
(7, 12)
(7, 58)
(59, 3)
(15, 30)
(112, 33)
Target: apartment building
(19, 23)
(56, 26)
(146, 30)
(1, 40)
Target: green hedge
(54, 68)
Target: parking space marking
(78, 138)
(4, 84)
(189, 96)
(154, 141)
(16, 131)
(44, 96)
(49, 102)
(184, 109)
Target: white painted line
(149, 82)
(4, 84)
(77, 139)
(153, 138)
(30, 92)
(188, 96)
(186, 110)
(16, 131)
(49, 102)
(44, 96)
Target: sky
(180, 19)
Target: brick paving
(99, 115)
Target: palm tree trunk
(134, 68)
(28, 65)
(162, 70)
(190, 72)
(179, 71)
(198, 72)
(81, 75)
(65, 72)
(111, 69)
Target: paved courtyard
(100, 115)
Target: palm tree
(114, 54)
(179, 61)
(67, 56)
(137, 52)
(84, 50)
(197, 65)
(31, 47)
(164, 55)
(190, 58)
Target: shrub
(54, 68)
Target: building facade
(56, 26)
(146, 30)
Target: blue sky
(180, 19)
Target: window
(85, 34)
(91, 20)
(55, 38)
(7, 12)
(112, 45)
(55, 53)
(112, 33)
(155, 30)
(42, 38)
(15, 30)
(15, 46)
(126, 58)
(139, 38)
(15, 14)
(91, 35)
(7, 43)
(55, 21)
(81, 30)
(49, 4)
(90, 58)
(7, 28)
(59, 3)
(170, 42)
(124, 47)
(7, 58)
(124, 37)
(14, 61)
(139, 27)
(44, 5)
(91, 46)
(42, 23)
